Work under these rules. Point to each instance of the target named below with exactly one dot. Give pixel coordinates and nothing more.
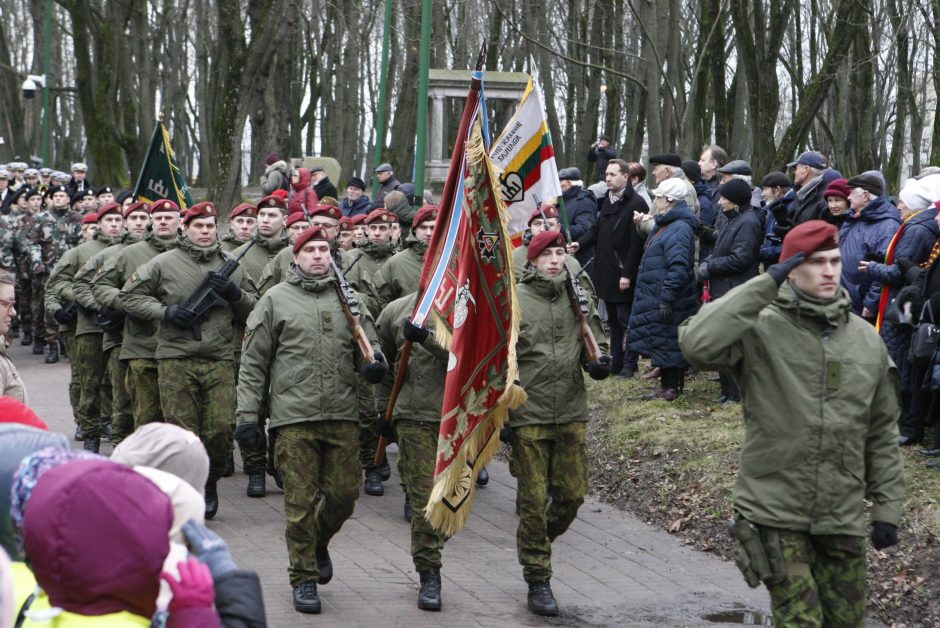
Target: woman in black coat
(617, 251)
(736, 255)
(666, 291)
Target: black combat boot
(229, 469)
(541, 600)
(53, 356)
(79, 433)
(92, 444)
(385, 470)
(483, 477)
(212, 500)
(39, 347)
(106, 429)
(373, 483)
(306, 599)
(27, 339)
(324, 565)
(256, 486)
(408, 512)
(429, 597)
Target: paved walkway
(610, 568)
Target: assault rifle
(350, 303)
(204, 298)
(582, 310)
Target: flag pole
(447, 201)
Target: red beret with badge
(346, 224)
(327, 211)
(164, 205)
(245, 209)
(296, 217)
(426, 214)
(110, 208)
(380, 216)
(137, 206)
(200, 210)
(278, 202)
(542, 241)
(308, 234)
(550, 211)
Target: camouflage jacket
(53, 233)
(11, 245)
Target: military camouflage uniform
(549, 429)
(67, 334)
(400, 274)
(417, 418)
(298, 339)
(24, 275)
(139, 336)
(53, 232)
(196, 377)
(253, 264)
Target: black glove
(375, 370)
(179, 315)
(780, 231)
(506, 434)
(780, 271)
(67, 314)
(383, 427)
(414, 333)
(883, 535)
(665, 311)
(782, 215)
(224, 287)
(601, 369)
(109, 320)
(209, 548)
(249, 436)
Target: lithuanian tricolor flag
(525, 158)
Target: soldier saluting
(195, 356)
(303, 338)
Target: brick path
(610, 568)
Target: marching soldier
(54, 232)
(194, 354)
(298, 338)
(363, 262)
(549, 430)
(88, 356)
(24, 277)
(136, 220)
(139, 346)
(417, 421)
(402, 272)
(346, 234)
(546, 219)
(270, 239)
(243, 224)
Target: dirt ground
(673, 465)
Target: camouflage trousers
(551, 463)
(368, 433)
(75, 391)
(90, 366)
(143, 388)
(825, 581)
(199, 395)
(122, 421)
(106, 396)
(417, 446)
(45, 328)
(319, 464)
(24, 300)
(254, 459)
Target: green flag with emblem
(160, 177)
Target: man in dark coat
(618, 248)
(777, 191)
(736, 255)
(810, 184)
(666, 293)
(581, 207)
(322, 184)
(388, 182)
(356, 202)
(600, 154)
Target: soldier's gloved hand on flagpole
(383, 427)
(601, 369)
(414, 333)
(249, 436)
(224, 287)
(179, 315)
(375, 370)
(506, 434)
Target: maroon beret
(308, 234)
(381, 216)
(809, 237)
(164, 205)
(426, 214)
(136, 206)
(200, 210)
(90, 218)
(346, 224)
(326, 210)
(296, 217)
(550, 211)
(542, 241)
(245, 209)
(110, 208)
(273, 201)
(358, 219)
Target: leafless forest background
(856, 79)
